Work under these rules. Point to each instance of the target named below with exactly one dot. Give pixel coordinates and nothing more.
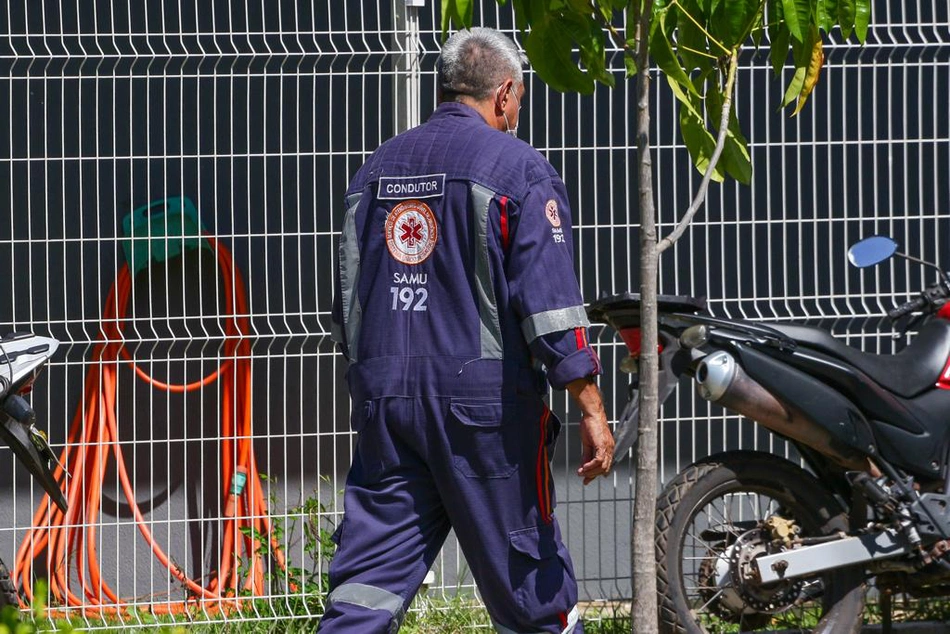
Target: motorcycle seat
(908, 373)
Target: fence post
(406, 82)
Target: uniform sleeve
(543, 287)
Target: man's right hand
(597, 442)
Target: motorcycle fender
(673, 363)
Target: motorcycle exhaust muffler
(721, 380)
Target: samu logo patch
(411, 232)
(550, 212)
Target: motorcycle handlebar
(907, 308)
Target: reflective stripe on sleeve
(555, 320)
(571, 622)
(490, 328)
(350, 276)
(369, 597)
(336, 332)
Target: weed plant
(298, 597)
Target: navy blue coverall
(456, 285)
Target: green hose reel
(160, 231)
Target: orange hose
(69, 539)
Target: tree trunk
(643, 560)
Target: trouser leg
(393, 527)
(496, 486)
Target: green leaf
(802, 55)
(846, 14)
(812, 73)
(827, 14)
(593, 55)
(699, 142)
(795, 86)
(522, 12)
(797, 17)
(606, 9)
(457, 12)
(448, 10)
(714, 99)
(690, 38)
(578, 6)
(731, 22)
(758, 25)
(735, 152)
(778, 48)
(862, 18)
(631, 65)
(549, 47)
(662, 51)
(687, 100)
(736, 160)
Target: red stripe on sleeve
(504, 222)
(581, 338)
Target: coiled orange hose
(70, 538)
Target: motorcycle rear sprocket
(741, 566)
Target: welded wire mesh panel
(120, 117)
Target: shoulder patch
(550, 212)
(402, 187)
(411, 232)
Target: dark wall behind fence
(260, 112)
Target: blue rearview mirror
(871, 251)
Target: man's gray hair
(476, 61)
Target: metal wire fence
(259, 113)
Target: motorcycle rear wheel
(714, 504)
(8, 594)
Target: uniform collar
(456, 109)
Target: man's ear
(502, 95)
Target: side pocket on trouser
(371, 457)
(541, 577)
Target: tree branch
(700, 198)
(699, 26)
(618, 38)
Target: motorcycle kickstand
(886, 609)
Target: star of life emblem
(550, 212)
(411, 232)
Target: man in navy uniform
(456, 305)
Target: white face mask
(508, 129)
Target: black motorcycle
(749, 540)
(22, 356)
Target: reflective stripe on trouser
(371, 598)
(424, 465)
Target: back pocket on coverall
(481, 442)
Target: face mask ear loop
(508, 129)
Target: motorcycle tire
(737, 478)
(8, 594)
